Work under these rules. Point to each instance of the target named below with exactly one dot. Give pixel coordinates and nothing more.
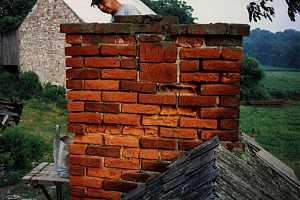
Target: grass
(286, 83)
(278, 130)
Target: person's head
(107, 6)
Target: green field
(286, 83)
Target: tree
(12, 13)
(259, 9)
(172, 7)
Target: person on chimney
(115, 8)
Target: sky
(235, 11)
(207, 11)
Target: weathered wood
(9, 48)
(45, 174)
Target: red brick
(126, 119)
(157, 99)
(138, 86)
(230, 101)
(231, 78)
(160, 121)
(178, 133)
(230, 53)
(125, 97)
(151, 38)
(121, 163)
(102, 62)
(140, 109)
(154, 166)
(101, 85)
(84, 95)
(170, 155)
(128, 63)
(85, 161)
(189, 65)
(158, 72)
(115, 50)
(121, 186)
(77, 170)
(172, 110)
(232, 136)
(199, 77)
(150, 154)
(197, 101)
(103, 107)
(85, 182)
(85, 117)
(75, 106)
(135, 177)
(133, 131)
(76, 128)
(158, 143)
(101, 194)
(181, 89)
(108, 39)
(73, 39)
(200, 53)
(131, 152)
(158, 52)
(104, 151)
(89, 139)
(198, 123)
(74, 84)
(104, 173)
(188, 145)
(76, 62)
(82, 74)
(78, 149)
(123, 141)
(229, 124)
(220, 89)
(82, 51)
(151, 131)
(78, 191)
(221, 66)
(189, 41)
(222, 113)
(119, 74)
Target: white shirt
(125, 10)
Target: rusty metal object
(10, 113)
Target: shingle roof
(210, 171)
(191, 177)
(90, 14)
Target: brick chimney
(141, 92)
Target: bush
(30, 85)
(19, 149)
(55, 94)
(251, 75)
(8, 86)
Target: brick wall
(141, 94)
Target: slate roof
(191, 177)
(89, 14)
(210, 171)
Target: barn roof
(90, 14)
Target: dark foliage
(251, 75)
(274, 49)
(19, 148)
(173, 8)
(12, 13)
(261, 9)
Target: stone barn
(41, 45)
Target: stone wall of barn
(143, 91)
(41, 43)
